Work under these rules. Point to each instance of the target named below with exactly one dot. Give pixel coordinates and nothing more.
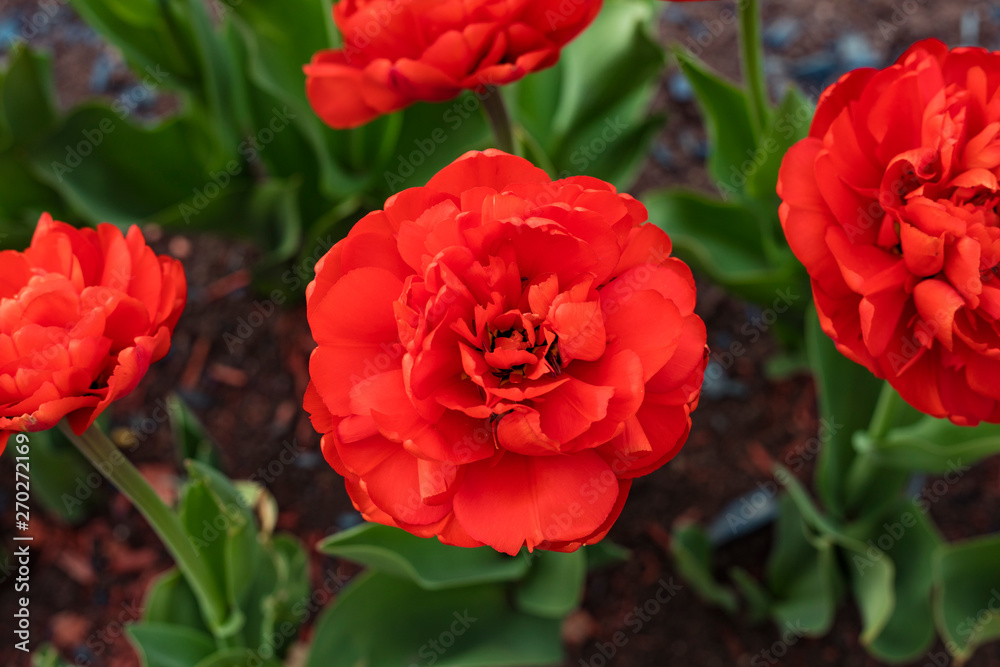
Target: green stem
(865, 472)
(111, 463)
(496, 112)
(753, 63)
(886, 412)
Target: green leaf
(241, 551)
(46, 655)
(426, 562)
(154, 35)
(191, 440)
(206, 525)
(757, 597)
(27, 98)
(847, 393)
(724, 241)
(967, 597)
(692, 553)
(789, 124)
(932, 445)
(727, 119)
(102, 166)
(432, 136)
(282, 42)
(802, 575)
(554, 585)
(590, 113)
(170, 601)
(605, 553)
(162, 645)
(291, 592)
(904, 534)
(872, 579)
(224, 91)
(382, 620)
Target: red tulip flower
(397, 52)
(83, 313)
(500, 354)
(892, 205)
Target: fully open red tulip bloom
(83, 313)
(892, 205)
(500, 354)
(397, 52)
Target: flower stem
(886, 412)
(111, 463)
(865, 472)
(753, 63)
(496, 112)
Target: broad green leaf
(432, 136)
(224, 91)
(291, 592)
(162, 645)
(258, 629)
(241, 551)
(154, 35)
(382, 620)
(102, 166)
(282, 41)
(789, 124)
(847, 393)
(27, 98)
(872, 584)
(727, 121)
(426, 562)
(803, 578)
(589, 114)
(757, 597)
(191, 441)
(933, 446)
(723, 241)
(23, 199)
(692, 554)
(905, 535)
(206, 525)
(603, 65)
(967, 595)
(274, 213)
(554, 585)
(170, 601)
